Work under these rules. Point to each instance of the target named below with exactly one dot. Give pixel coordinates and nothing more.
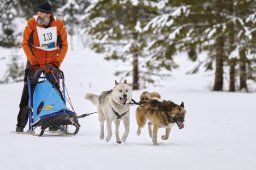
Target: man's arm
(63, 43)
(25, 43)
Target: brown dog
(159, 114)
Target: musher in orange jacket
(44, 43)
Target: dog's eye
(121, 91)
(126, 90)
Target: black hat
(45, 7)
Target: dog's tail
(92, 97)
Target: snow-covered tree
(234, 38)
(70, 14)
(116, 30)
(8, 13)
(216, 27)
(15, 70)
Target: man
(45, 44)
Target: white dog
(114, 106)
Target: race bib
(47, 38)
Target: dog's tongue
(123, 100)
(180, 125)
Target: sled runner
(47, 104)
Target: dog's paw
(154, 142)
(108, 138)
(118, 140)
(138, 132)
(124, 138)
(164, 137)
(101, 136)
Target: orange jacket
(31, 43)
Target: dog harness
(119, 116)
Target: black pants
(22, 118)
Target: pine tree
(8, 14)
(69, 12)
(15, 70)
(117, 30)
(240, 41)
(216, 27)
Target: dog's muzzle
(122, 100)
(180, 124)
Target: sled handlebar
(52, 69)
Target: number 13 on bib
(47, 38)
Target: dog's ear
(125, 81)
(116, 83)
(182, 105)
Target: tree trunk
(232, 61)
(218, 82)
(135, 83)
(135, 64)
(243, 75)
(232, 75)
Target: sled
(47, 104)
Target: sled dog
(159, 114)
(150, 96)
(113, 106)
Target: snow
(159, 21)
(210, 32)
(174, 33)
(248, 33)
(180, 10)
(235, 53)
(138, 27)
(134, 2)
(250, 55)
(219, 129)
(251, 18)
(166, 19)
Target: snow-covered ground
(219, 133)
